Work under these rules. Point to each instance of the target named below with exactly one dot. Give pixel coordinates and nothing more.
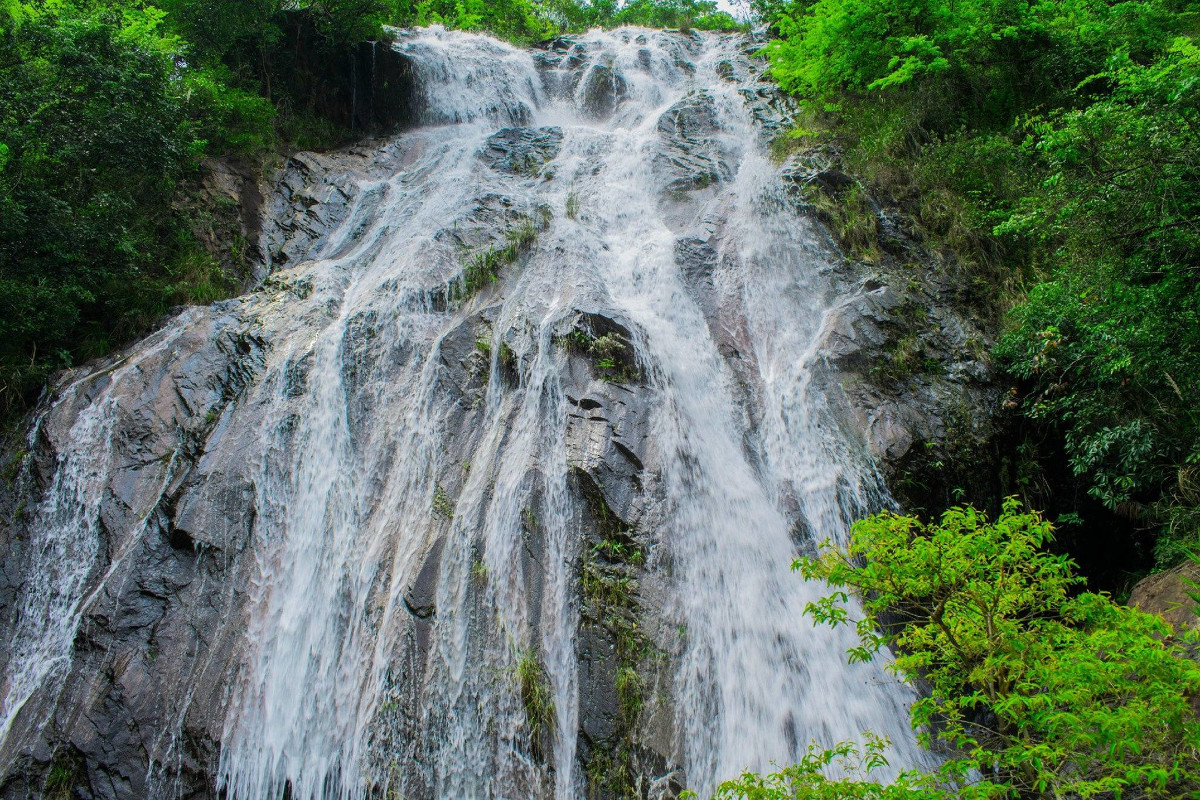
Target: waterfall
(417, 428)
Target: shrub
(1043, 691)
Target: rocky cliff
(490, 487)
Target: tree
(1046, 692)
(95, 141)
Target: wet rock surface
(691, 159)
(909, 355)
(156, 647)
(522, 151)
(210, 415)
(602, 90)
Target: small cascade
(532, 411)
(67, 539)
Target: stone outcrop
(911, 357)
(522, 151)
(1169, 594)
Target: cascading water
(417, 424)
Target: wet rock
(384, 94)
(314, 195)
(601, 91)
(522, 151)
(560, 64)
(421, 599)
(690, 158)
(598, 711)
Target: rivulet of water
(66, 541)
(381, 441)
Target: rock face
(490, 487)
(383, 90)
(154, 648)
(908, 351)
(602, 90)
(1168, 594)
(522, 150)
(229, 189)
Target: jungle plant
(533, 685)
(1046, 691)
(443, 506)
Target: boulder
(1168, 594)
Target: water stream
(364, 462)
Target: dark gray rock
(384, 95)
(690, 158)
(421, 599)
(561, 65)
(909, 358)
(601, 91)
(522, 151)
(153, 654)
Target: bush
(1039, 691)
(1109, 344)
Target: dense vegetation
(108, 108)
(1032, 689)
(1051, 149)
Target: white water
(66, 542)
(353, 420)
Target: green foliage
(630, 694)
(533, 685)
(1046, 692)
(95, 143)
(685, 15)
(1050, 151)
(991, 58)
(807, 779)
(66, 773)
(443, 506)
(1109, 344)
(483, 267)
(231, 120)
(610, 354)
(520, 21)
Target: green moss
(13, 468)
(483, 267)
(610, 354)
(533, 685)
(610, 773)
(443, 506)
(66, 773)
(630, 694)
